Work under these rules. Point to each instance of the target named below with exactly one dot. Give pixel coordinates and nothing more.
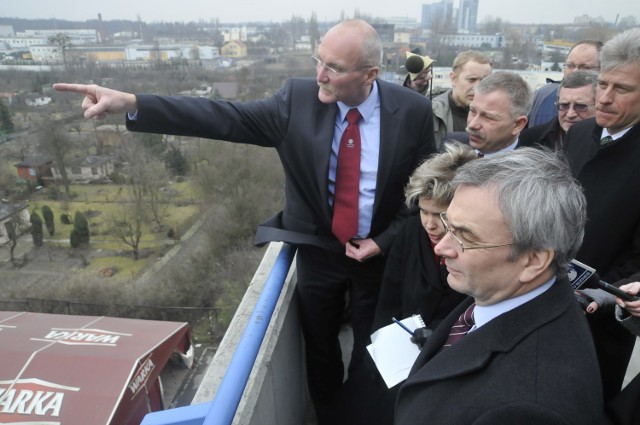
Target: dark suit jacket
(301, 129)
(546, 134)
(535, 364)
(611, 178)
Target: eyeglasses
(443, 218)
(333, 72)
(571, 65)
(578, 107)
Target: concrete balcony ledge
(276, 392)
(274, 371)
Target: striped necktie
(462, 326)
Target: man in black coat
(604, 154)
(575, 103)
(304, 122)
(515, 221)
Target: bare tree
(492, 25)
(147, 177)
(152, 176)
(128, 226)
(63, 41)
(53, 142)
(314, 32)
(440, 26)
(13, 228)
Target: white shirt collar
(511, 147)
(614, 136)
(485, 313)
(366, 108)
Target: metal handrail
(222, 409)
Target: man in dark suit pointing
(304, 122)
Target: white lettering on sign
(83, 337)
(32, 397)
(141, 376)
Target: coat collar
(502, 334)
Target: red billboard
(79, 370)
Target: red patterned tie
(459, 329)
(345, 204)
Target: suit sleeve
(261, 122)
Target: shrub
(81, 227)
(65, 218)
(74, 239)
(175, 162)
(36, 229)
(54, 193)
(117, 178)
(48, 219)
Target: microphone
(579, 273)
(414, 64)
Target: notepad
(392, 350)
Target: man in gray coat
(450, 109)
(515, 221)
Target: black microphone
(414, 64)
(579, 273)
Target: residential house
(35, 169)
(110, 135)
(35, 99)
(234, 49)
(94, 168)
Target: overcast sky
(229, 11)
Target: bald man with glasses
(305, 122)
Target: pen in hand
(396, 321)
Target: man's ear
(536, 263)
(521, 122)
(372, 74)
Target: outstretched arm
(100, 101)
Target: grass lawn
(104, 204)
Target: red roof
(79, 370)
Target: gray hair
(516, 89)
(621, 50)
(432, 179)
(579, 79)
(542, 204)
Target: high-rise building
(438, 14)
(468, 15)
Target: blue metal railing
(222, 409)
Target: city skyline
(540, 12)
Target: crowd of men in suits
(516, 218)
